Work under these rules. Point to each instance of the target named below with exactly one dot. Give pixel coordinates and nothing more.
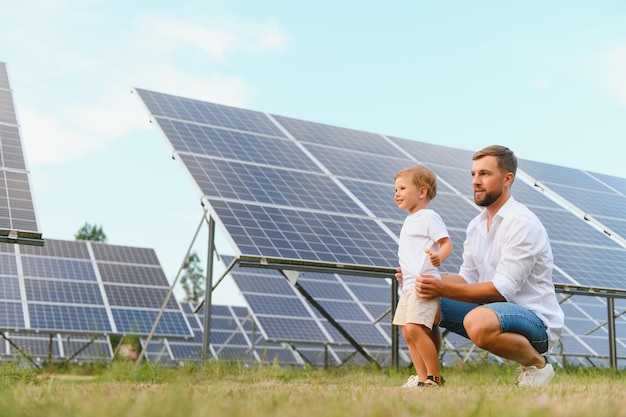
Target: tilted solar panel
(234, 337)
(82, 287)
(18, 220)
(599, 197)
(327, 206)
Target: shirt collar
(504, 210)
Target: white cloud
(84, 99)
(217, 39)
(73, 132)
(217, 87)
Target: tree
(193, 280)
(91, 232)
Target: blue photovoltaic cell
(426, 153)
(616, 183)
(8, 265)
(339, 137)
(139, 297)
(565, 227)
(11, 315)
(327, 290)
(531, 198)
(68, 249)
(343, 310)
(11, 151)
(359, 165)
(125, 254)
(262, 284)
(293, 329)
(581, 263)
(208, 113)
(58, 268)
(69, 318)
(554, 174)
(378, 197)
(296, 234)
(614, 225)
(265, 185)
(145, 275)
(10, 288)
(63, 292)
(278, 306)
(594, 202)
(234, 145)
(7, 114)
(171, 324)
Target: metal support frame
(16, 347)
(610, 314)
(171, 290)
(395, 333)
(610, 295)
(206, 339)
(336, 325)
(85, 346)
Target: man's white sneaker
(412, 382)
(531, 376)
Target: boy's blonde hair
(421, 177)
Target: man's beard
(488, 198)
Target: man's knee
(481, 324)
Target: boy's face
(408, 195)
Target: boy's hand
(434, 257)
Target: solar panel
(82, 287)
(18, 221)
(233, 338)
(327, 206)
(598, 196)
(56, 347)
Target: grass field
(231, 389)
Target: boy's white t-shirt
(420, 231)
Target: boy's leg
(409, 331)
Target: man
(503, 298)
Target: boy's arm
(445, 249)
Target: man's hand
(399, 276)
(427, 286)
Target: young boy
(424, 245)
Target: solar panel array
(283, 314)
(56, 347)
(293, 194)
(234, 337)
(83, 287)
(18, 221)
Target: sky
(547, 79)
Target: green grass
(232, 389)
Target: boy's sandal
(434, 381)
